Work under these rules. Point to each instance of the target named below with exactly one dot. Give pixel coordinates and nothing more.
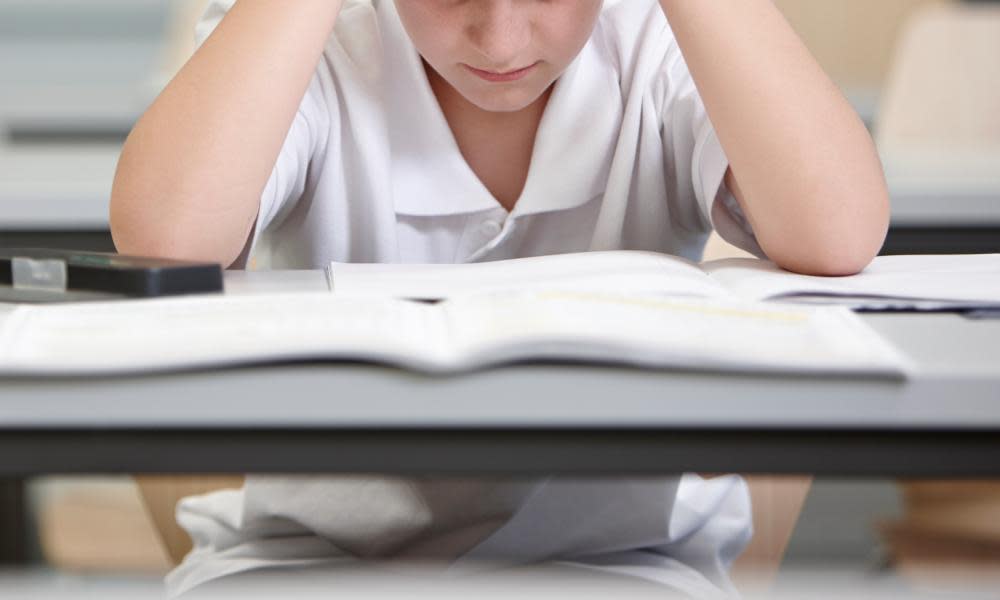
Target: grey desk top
(56, 189)
(521, 419)
(944, 187)
(58, 183)
(957, 386)
(68, 99)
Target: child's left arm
(802, 165)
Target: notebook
(890, 283)
(467, 332)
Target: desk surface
(529, 418)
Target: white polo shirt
(625, 158)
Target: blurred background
(924, 75)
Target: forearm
(810, 179)
(192, 171)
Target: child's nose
(499, 33)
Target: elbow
(134, 237)
(135, 229)
(134, 234)
(153, 216)
(162, 243)
(826, 255)
(827, 262)
(176, 213)
(139, 229)
(835, 247)
(129, 231)
(831, 217)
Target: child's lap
(627, 574)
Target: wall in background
(80, 18)
(853, 39)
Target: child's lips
(504, 77)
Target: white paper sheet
(605, 272)
(913, 282)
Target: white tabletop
(958, 360)
(56, 188)
(526, 419)
(944, 187)
(66, 102)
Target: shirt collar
(571, 158)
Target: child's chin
(511, 100)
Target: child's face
(501, 55)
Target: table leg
(942, 240)
(13, 522)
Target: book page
(620, 272)
(462, 333)
(690, 333)
(912, 282)
(204, 331)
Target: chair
(944, 87)
(939, 127)
(161, 494)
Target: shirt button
(490, 229)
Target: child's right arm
(192, 171)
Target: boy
(474, 130)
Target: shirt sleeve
(307, 135)
(696, 156)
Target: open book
(889, 283)
(462, 333)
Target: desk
(525, 419)
(65, 110)
(45, 188)
(521, 419)
(944, 201)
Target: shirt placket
(483, 232)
